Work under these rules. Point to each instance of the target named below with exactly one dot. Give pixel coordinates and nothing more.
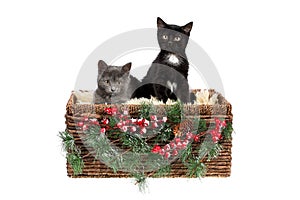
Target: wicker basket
(218, 167)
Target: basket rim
(72, 105)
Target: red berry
(167, 147)
(140, 122)
(172, 144)
(146, 123)
(213, 132)
(85, 127)
(114, 110)
(143, 130)
(108, 111)
(216, 137)
(177, 140)
(179, 145)
(80, 124)
(124, 128)
(223, 124)
(189, 135)
(162, 152)
(156, 149)
(105, 121)
(120, 125)
(217, 120)
(175, 152)
(85, 118)
(102, 130)
(167, 155)
(186, 141)
(153, 117)
(196, 138)
(132, 129)
(154, 125)
(94, 121)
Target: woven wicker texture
(217, 167)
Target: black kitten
(167, 76)
(115, 84)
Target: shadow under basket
(93, 168)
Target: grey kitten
(115, 84)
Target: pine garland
(122, 143)
(165, 134)
(227, 131)
(140, 180)
(162, 172)
(175, 113)
(146, 110)
(137, 144)
(72, 152)
(76, 162)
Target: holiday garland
(73, 152)
(146, 146)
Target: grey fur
(115, 84)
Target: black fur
(167, 76)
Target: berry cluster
(180, 143)
(216, 133)
(173, 147)
(123, 123)
(86, 123)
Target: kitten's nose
(170, 43)
(113, 89)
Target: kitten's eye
(177, 38)
(165, 37)
(107, 81)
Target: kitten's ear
(102, 66)
(161, 23)
(187, 28)
(126, 68)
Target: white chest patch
(173, 59)
(172, 86)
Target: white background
(254, 44)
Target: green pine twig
(227, 131)
(72, 152)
